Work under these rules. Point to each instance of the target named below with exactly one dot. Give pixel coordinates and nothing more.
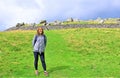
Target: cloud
(83, 9)
(14, 11)
(29, 11)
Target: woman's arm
(45, 40)
(33, 41)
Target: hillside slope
(69, 53)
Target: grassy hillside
(69, 53)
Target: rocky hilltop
(69, 23)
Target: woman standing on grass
(39, 44)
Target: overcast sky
(30, 11)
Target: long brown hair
(40, 28)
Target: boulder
(43, 22)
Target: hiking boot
(46, 73)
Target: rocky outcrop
(20, 24)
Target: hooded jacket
(39, 43)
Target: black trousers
(42, 58)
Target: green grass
(82, 53)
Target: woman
(39, 44)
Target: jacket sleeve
(33, 41)
(45, 40)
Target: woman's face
(40, 31)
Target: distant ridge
(65, 27)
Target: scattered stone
(69, 20)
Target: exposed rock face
(43, 22)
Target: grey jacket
(39, 43)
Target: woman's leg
(36, 60)
(43, 61)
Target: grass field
(70, 53)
